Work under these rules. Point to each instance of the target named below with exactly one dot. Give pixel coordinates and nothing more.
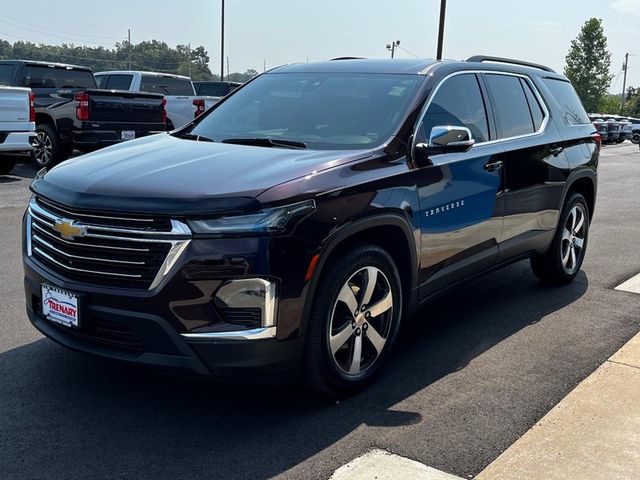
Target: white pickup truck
(182, 102)
(17, 125)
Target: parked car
(215, 88)
(626, 130)
(17, 124)
(183, 105)
(288, 232)
(72, 113)
(635, 129)
(602, 128)
(614, 127)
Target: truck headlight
(268, 221)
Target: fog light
(248, 301)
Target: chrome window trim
(252, 334)
(534, 89)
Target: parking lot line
(632, 285)
(381, 465)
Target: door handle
(556, 151)
(493, 166)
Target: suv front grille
(104, 249)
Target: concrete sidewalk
(592, 434)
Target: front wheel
(636, 138)
(562, 261)
(354, 321)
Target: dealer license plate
(60, 306)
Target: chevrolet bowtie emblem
(69, 230)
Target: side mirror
(445, 139)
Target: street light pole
(392, 47)
(222, 45)
(443, 8)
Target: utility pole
(228, 73)
(189, 58)
(392, 47)
(222, 45)
(625, 67)
(264, 65)
(443, 8)
(129, 45)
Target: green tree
(588, 63)
(609, 104)
(632, 103)
(242, 77)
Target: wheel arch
(583, 183)
(392, 232)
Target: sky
(275, 32)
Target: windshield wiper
(266, 142)
(197, 138)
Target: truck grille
(102, 248)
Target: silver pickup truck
(17, 125)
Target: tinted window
(56, 77)
(101, 80)
(537, 114)
(458, 102)
(118, 82)
(572, 109)
(6, 74)
(214, 89)
(323, 110)
(166, 85)
(510, 107)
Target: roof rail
(347, 58)
(487, 58)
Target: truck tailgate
(14, 109)
(125, 107)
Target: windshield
(322, 110)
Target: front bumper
(139, 336)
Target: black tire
(6, 164)
(48, 151)
(323, 369)
(552, 268)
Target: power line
(50, 34)
(59, 31)
(407, 51)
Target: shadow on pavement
(65, 415)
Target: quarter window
(458, 102)
(510, 106)
(537, 114)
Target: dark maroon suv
(288, 231)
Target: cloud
(627, 6)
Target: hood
(168, 175)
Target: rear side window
(101, 80)
(214, 89)
(571, 107)
(510, 106)
(56, 77)
(166, 85)
(458, 103)
(6, 74)
(537, 114)
(118, 82)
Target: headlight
(269, 221)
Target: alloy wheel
(43, 149)
(361, 321)
(573, 237)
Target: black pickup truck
(71, 113)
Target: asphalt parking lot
(472, 373)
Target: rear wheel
(562, 261)
(47, 149)
(354, 321)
